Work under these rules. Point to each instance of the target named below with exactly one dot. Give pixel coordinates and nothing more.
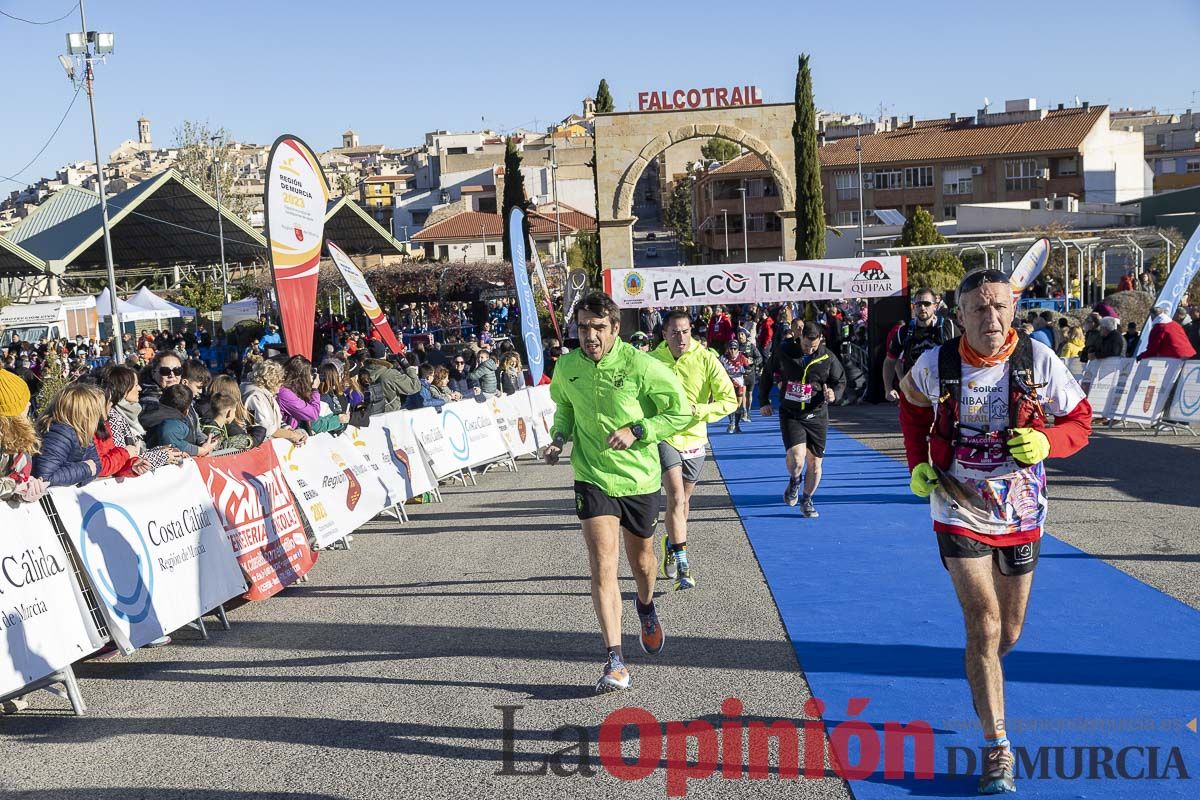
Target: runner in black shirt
(926, 331)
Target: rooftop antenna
(1077, 101)
(986, 105)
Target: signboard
(471, 433)
(1104, 381)
(295, 202)
(262, 524)
(531, 331)
(154, 550)
(43, 621)
(336, 491)
(1185, 404)
(366, 298)
(1147, 389)
(391, 469)
(708, 97)
(514, 420)
(426, 428)
(762, 282)
(542, 411)
(407, 458)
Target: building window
(1066, 166)
(1020, 174)
(846, 218)
(886, 179)
(846, 183)
(757, 223)
(491, 249)
(957, 180)
(1166, 166)
(725, 190)
(770, 188)
(754, 187)
(950, 212)
(443, 251)
(1193, 165)
(918, 177)
(774, 224)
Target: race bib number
(798, 392)
(692, 452)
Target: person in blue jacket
(68, 456)
(426, 397)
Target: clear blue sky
(394, 70)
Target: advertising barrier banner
(153, 548)
(1103, 382)
(371, 445)
(407, 457)
(1185, 405)
(260, 518)
(295, 199)
(542, 410)
(472, 433)
(763, 282)
(336, 491)
(44, 625)
(1147, 389)
(514, 420)
(426, 427)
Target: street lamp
(218, 173)
(86, 45)
(862, 240)
(725, 216)
(745, 224)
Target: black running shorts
(638, 513)
(1017, 559)
(809, 429)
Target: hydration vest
(1024, 406)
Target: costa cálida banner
(261, 521)
(153, 548)
(763, 282)
(295, 202)
(366, 298)
(43, 620)
(531, 330)
(1176, 285)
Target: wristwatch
(639, 431)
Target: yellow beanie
(14, 394)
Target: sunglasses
(167, 372)
(978, 278)
(923, 303)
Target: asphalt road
(381, 676)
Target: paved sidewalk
(381, 676)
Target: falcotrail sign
(763, 282)
(708, 97)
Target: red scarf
(975, 359)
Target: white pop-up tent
(150, 301)
(128, 311)
(238, 311)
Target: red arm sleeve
(915, 424)
(113, 460)
(1071, 431)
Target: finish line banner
(762, 282)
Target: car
(651, 236)
(1060, 304)
(651, 252)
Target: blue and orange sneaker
(615, 677)
(651, 635)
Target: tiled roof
(750, 162)
(934, 140)
(466, 225)
(474, 188)
(387, 178)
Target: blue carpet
(1104, 662)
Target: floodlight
(104, 43)
(76, 44)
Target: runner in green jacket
(616, 404)
(711, 396)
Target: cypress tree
(810, 205)
(604, 105)
(604, 101)
(514, 190)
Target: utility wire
(12, 178)
(70, 11)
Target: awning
(151, 302)
(128, 311)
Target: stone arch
(623, 197)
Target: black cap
(376, 349)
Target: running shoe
(808, 509)
(666, 561)
(652, 637)
(615, 677)
(730, 427)
(997, 775)
(684, 580)
(745, 415)
(791, 495)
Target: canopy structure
(238, 311)
(162, 221)
(354, 230)
(17, 262)
(151, 302)
(128, 311)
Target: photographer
(388, 385)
